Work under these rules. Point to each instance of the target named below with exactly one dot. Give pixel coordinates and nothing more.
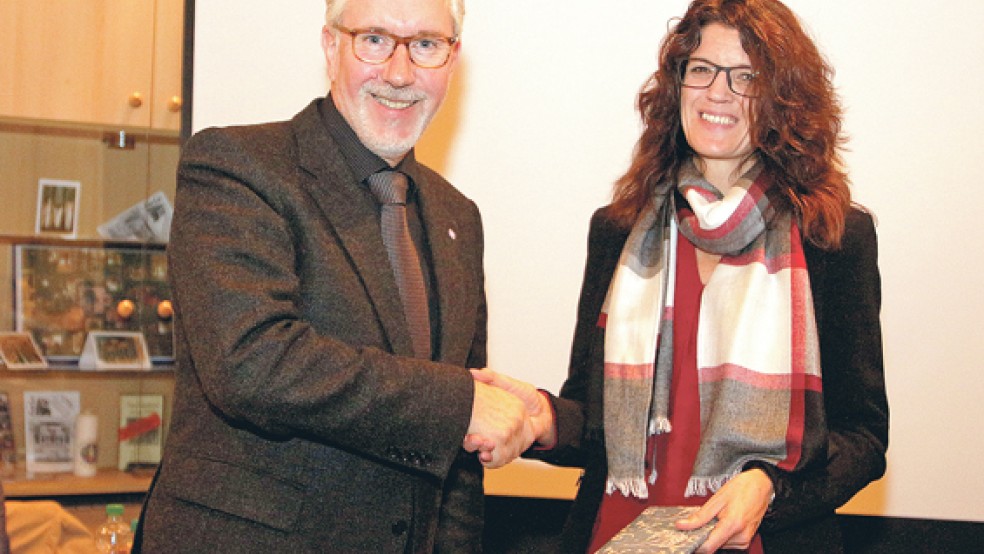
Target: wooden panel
(76, 60)
(168, 34)
(106, 481)
(533, 479)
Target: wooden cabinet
(103, 62)
(168, 56)
(72, 71)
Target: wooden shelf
(82, 129)
(522, 478)
(74, 370)
(81, 242)
(106, 481)
(533, 479)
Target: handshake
(508, 416)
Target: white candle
(86, 446)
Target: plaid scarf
(758, 357)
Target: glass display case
(91, 114)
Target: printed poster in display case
(49, 422)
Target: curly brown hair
(795, 119)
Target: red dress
(678, 449)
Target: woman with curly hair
(727, 353)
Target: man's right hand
(500, 428)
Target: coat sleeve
(847, 298)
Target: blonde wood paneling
(106, 481)
(83, 60)
(533, 479)
(76, 60)
(168, 34)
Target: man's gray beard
(382, 146)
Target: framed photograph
(58, 208)
(114, 350)
(64, 292)
(49, 419)
(19, 351)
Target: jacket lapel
(454, 289)
(353, 216)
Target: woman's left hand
(739, 507)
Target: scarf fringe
(706, 486)
(660, 425)
(629, 487)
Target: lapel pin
(452, 234)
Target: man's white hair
(334, 9)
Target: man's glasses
(700, 73)
(376, 46)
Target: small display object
(65, 292)
(58, 208)
(654, 532)
(141, 425)
(8, 448)
(19, 351)
(85, 451)
(114, 350)
(149, 220)
(49, 422)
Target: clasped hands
(508, 416)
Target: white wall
(541, 120)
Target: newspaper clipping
(49, 419)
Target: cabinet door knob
(135, 100)
(174, 104)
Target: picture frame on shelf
(63, 292)
(141, 430)
(115, 350)
(58, 208)
(19, 351)
(49, 421)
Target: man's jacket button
(399, 528)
